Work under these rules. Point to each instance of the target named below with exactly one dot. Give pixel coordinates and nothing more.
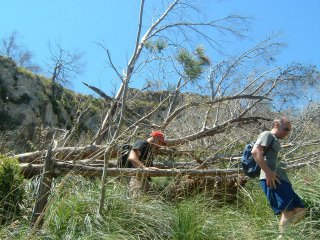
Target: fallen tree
(93, 152)
(61, 168)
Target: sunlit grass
(72, 213)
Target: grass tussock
(72, 213)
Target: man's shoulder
(265, 133)
(264, 138)
(140, 143)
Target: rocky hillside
(29, 111)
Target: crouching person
(141, 156)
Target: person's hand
(272, 179)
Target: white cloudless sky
(80, 24)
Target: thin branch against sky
(81, 24)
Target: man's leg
(282, 198)
(138, 186)
(291, 217)
(299, 214)
(284, 221)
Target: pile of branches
(188, 177)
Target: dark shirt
(146, 152)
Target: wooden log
(36, 158)
(61, 168)
(88, 152)
(301, 165)
(112, 163)
(30, 157)
(65, 153)
(43, 191)
(96, 152)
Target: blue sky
(80, 24)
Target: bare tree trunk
(103, 181)
(43, 190)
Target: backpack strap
(270, 145)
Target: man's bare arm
(134, 158)
(258, 155)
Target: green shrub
(26, 72)
(11, 189)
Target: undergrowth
(72, 213)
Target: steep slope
(27, 107)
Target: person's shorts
(282, 197)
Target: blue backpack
(249, 165)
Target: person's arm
(134, 158)
(258, 155)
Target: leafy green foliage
(193, 63)
(156, 46)
(11, 188)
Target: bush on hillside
(11, 189)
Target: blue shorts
(282, 197)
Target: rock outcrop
(27, 107)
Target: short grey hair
(280, 120)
